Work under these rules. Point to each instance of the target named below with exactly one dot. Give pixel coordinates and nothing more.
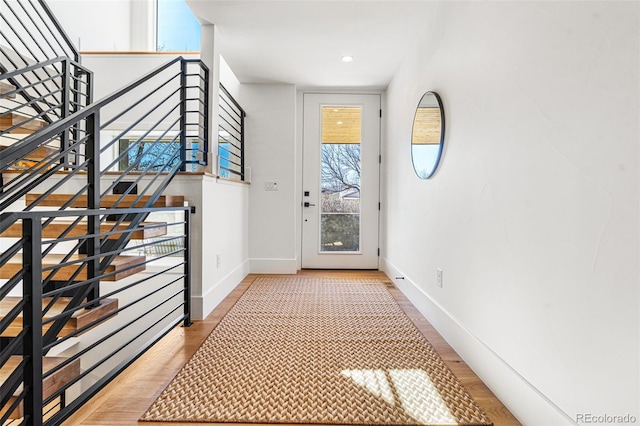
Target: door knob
(308, 204)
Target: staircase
(83, 204)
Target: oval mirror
(427, 137)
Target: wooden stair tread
(24, 122)
(6, 88)
(108, 201)
(39, 154)
(58, 226)
(79, 319)
(14, 265)
(50, 385)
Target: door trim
(301, 95)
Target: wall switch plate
(271, 185)
(439, 275)
(218, 260)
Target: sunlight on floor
(375, 381)
(413, 388)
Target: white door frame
(368, 258)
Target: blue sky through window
(178, 29)
(223, 153)
(425, 157)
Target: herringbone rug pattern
(316, 350)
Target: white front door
(340, 203)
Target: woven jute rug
(316, 350)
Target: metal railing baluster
(93, 202)
(32, 319)
(230, 127)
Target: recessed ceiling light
(347, 58)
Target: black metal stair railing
(38, 392)
(31, 106)
(141, 136)
(230, 137)
(173, 136)
(31, 33)
(38, 60)
(146, 131)
(126, 150)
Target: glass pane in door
(340, 179)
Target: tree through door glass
(340, 179)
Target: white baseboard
(526, 403)
(274, 266)
(201, 306)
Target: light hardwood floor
(125, 399)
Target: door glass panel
(340, 179)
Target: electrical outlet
(439, 275)
(271, 185)
(218, 258)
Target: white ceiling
(301, 41)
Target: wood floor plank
(124, 400)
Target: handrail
(33, 67)
(232, 99)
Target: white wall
(96, 25)
(143, 25)
(533, 215)
(113, 71)
(271, 154)
(222, 243)
(228, 79)
(108, 25)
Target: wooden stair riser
(50, 385)
(37, 154)
(24, 123)
(80, 319)
(118, 265)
